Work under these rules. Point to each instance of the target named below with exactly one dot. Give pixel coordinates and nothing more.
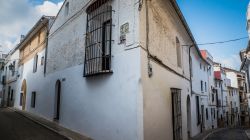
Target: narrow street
(229, 134)
(14, 126)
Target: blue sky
(38, 2)
(19, 16)
(218, 20)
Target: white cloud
(231, 62)
(49, 8)
(19, 16)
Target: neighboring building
(244, 108)
(32, 67)
(120, 64)
(213, 100)
(115, 70)
(234, 96)
(221, 83)
(245, 67)
(9, 77)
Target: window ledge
(99, 73)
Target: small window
(14, 68)
(42, 61)
(67, 9)
(35, 63)
(202, 86)
(198, 110)
(206, 113)
(178, 51)
(33, 99)
(205, 86)
(11, 95)
(214, 112)
(21, 99)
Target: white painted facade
(134, 102)
(11, 76)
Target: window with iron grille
(98, 38)
(176, 112)
(33, 99)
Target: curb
(39, 123)
(212, 132)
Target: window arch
(178, 52)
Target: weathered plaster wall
(106, 107)
(164, 27)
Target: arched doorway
(23, 94)
(188, 116)
(57, 100)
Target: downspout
(46, 50)
(190, 70)
(147, 39)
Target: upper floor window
(33, 99)
(201, 85)
(35, 63)
(13, 69)
(98, 38)
(178, 52)
(39, 38)
(205, 86)
(66, 12)
(42, 61)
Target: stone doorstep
(53, 126)
(206, 134)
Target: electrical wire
(219, 42)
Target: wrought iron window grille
(98, 41)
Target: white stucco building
(114, 70)
(9, 77)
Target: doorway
(57, 100)
(188, 117)
(202, 118)
(23, 94)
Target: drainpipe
(147, 39)
(190, 69)
(46, 50)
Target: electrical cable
(219, 42)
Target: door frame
(57, 100)
(24, 90)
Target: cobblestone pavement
(229, 134)
(16, 127)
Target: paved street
(229, 134)
(14, 126)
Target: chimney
(22, 37)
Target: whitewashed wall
(104, 107)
